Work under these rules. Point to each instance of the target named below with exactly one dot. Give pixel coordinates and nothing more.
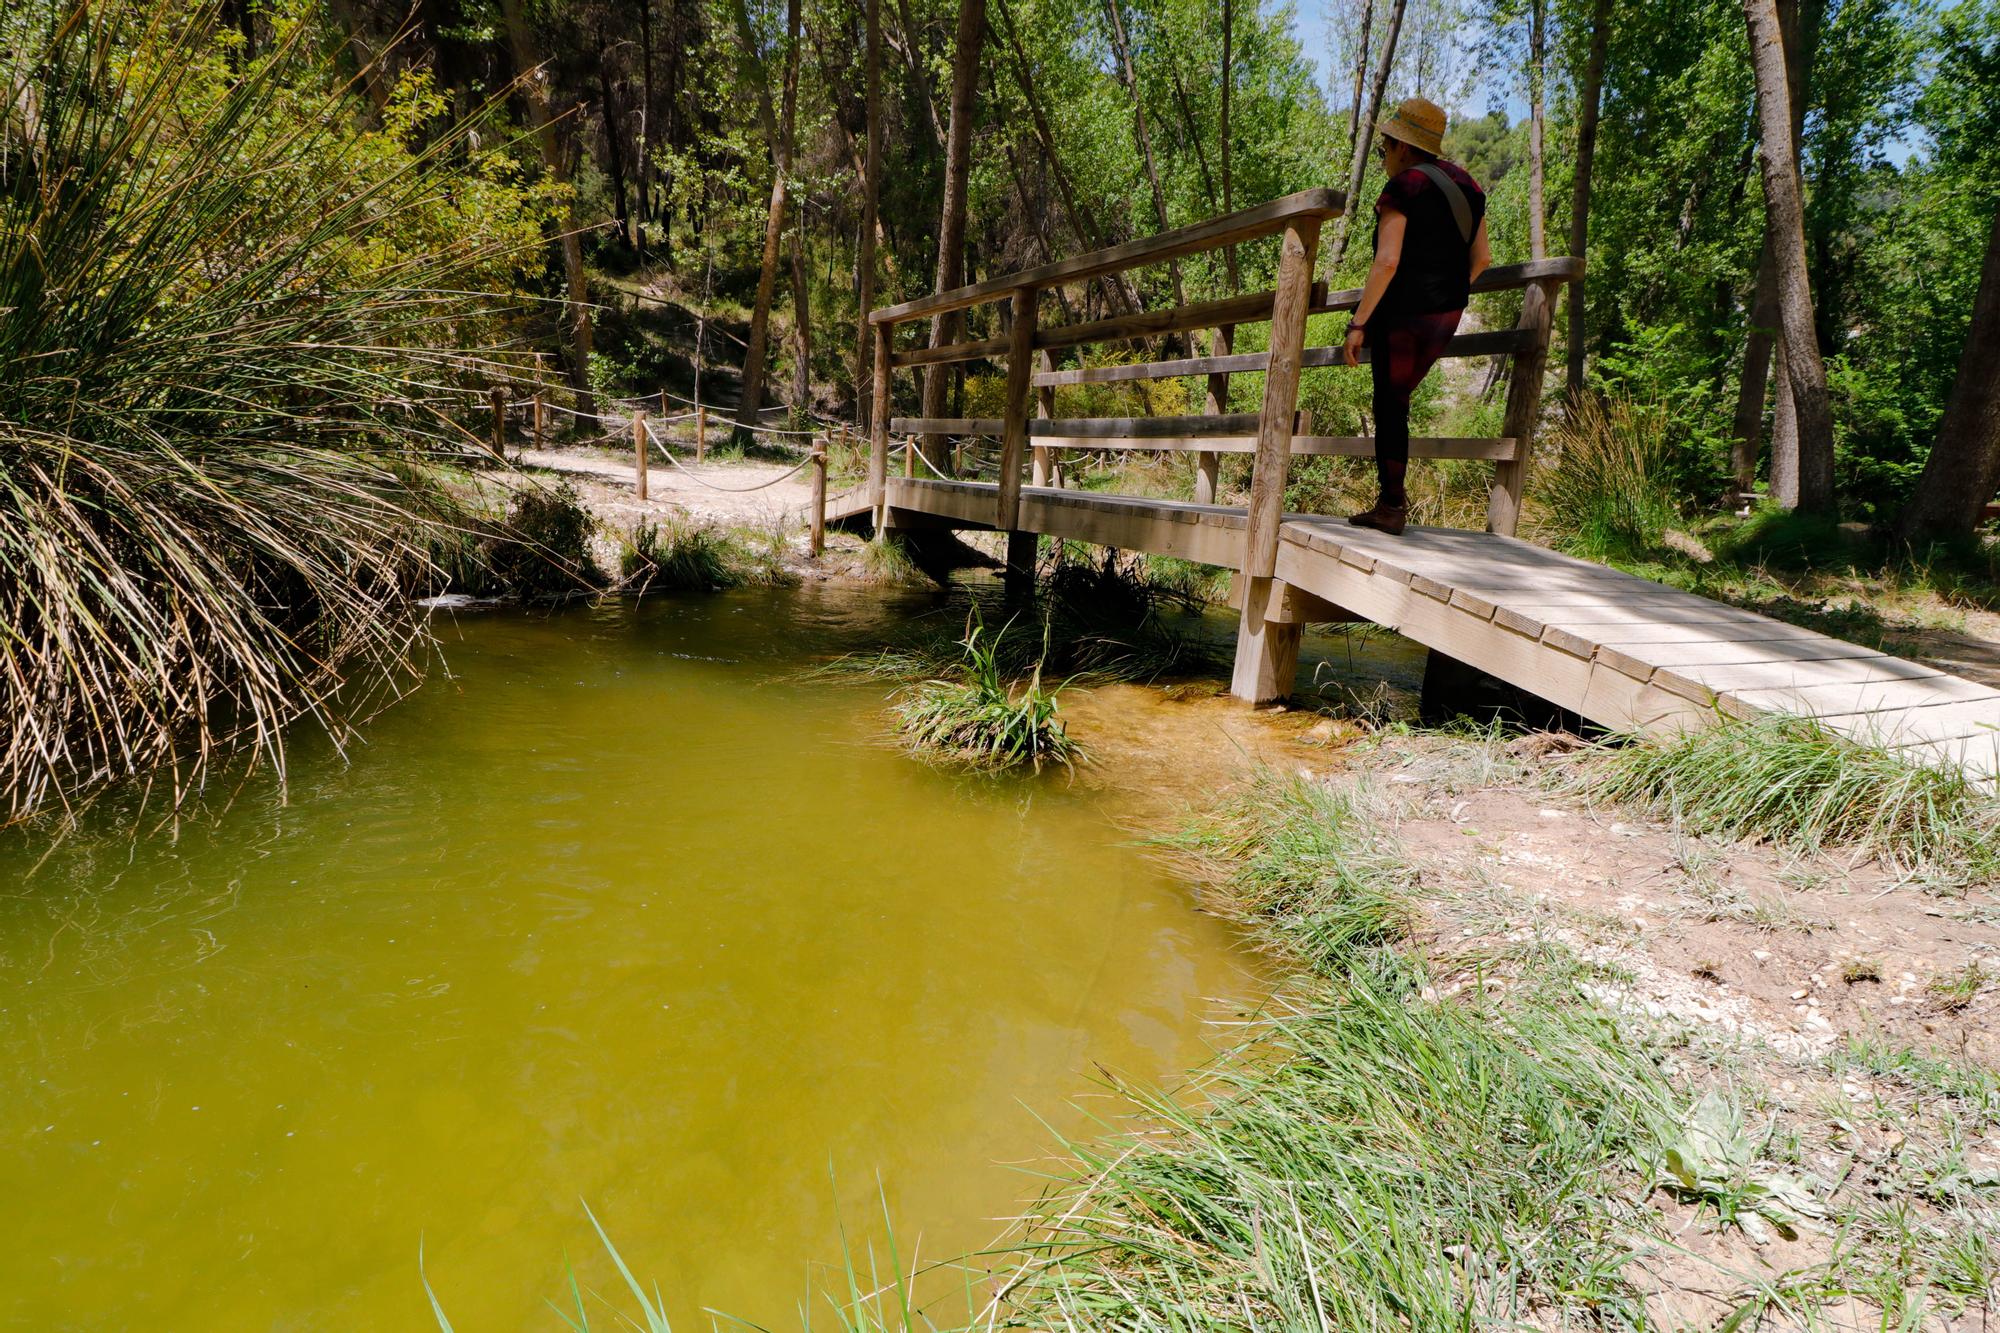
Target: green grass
(1394, 1150)
(688, 556)
(1793, 782)
(973, 717)
(1604, 487)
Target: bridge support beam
(1267, 650)
(1267, 644)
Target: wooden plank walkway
(1623, 651)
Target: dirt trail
(739, 494)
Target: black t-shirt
(1431, 275)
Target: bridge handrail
(1296, 220)
(1246, 224)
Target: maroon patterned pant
(1400, 356)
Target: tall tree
(778, 127)
(1799, 27)
(1341, 230)
(1589, 96)
(1360, 74)
(555, 153)
(1113, 10)
(1538, 239)
(969, 40)
(1805, 371)
(1963, 471)
(871, 196)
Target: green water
(619, 911)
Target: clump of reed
(973, 717)
(1604, 480)
(211, 517)
(1792, 781)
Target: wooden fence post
(1207, 462)
(1045, 408)
(639, 446)
(700, 432)
(498, 395)
(818, 514)
(1267, 650)
(1014, 433)
(1524, 407)
(538, 418)
(878, 430)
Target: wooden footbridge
(1621, 651)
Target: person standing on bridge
(1430, 244)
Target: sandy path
(746, 494)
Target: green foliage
(544, 551)
(213, 281)
(972, 717)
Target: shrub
(543, 550)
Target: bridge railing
(1271, 435)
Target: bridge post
(1207, 462)
(1524, 407)
(1045, 408)
(1267, 653)
(1014, 434)
(878, 429)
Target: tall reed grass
(1604, 482)
(215, 286)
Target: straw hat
(1417, 122)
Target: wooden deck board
(1620, 650)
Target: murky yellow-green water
(623, 912)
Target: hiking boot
(1383, 518)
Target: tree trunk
(645, 163)
(1360, 75)
(1963, 471)
(1228, 79)
(614, 155)
(1123, 50)
(871, 194)
(778, 134)
(576, 309)
(920, 79)
(1753, 388)
(1538, 238)
(1804, 369)
(951, 223)
(1588, 97)
(1799, 27)
(1341, 229)
(801, 324)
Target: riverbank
(1545, 1059)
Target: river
(616, 908)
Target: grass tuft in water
(683, 556)
(1790, 780)
(971, 717)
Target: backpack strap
(1461, 210)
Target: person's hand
(1350, 351)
